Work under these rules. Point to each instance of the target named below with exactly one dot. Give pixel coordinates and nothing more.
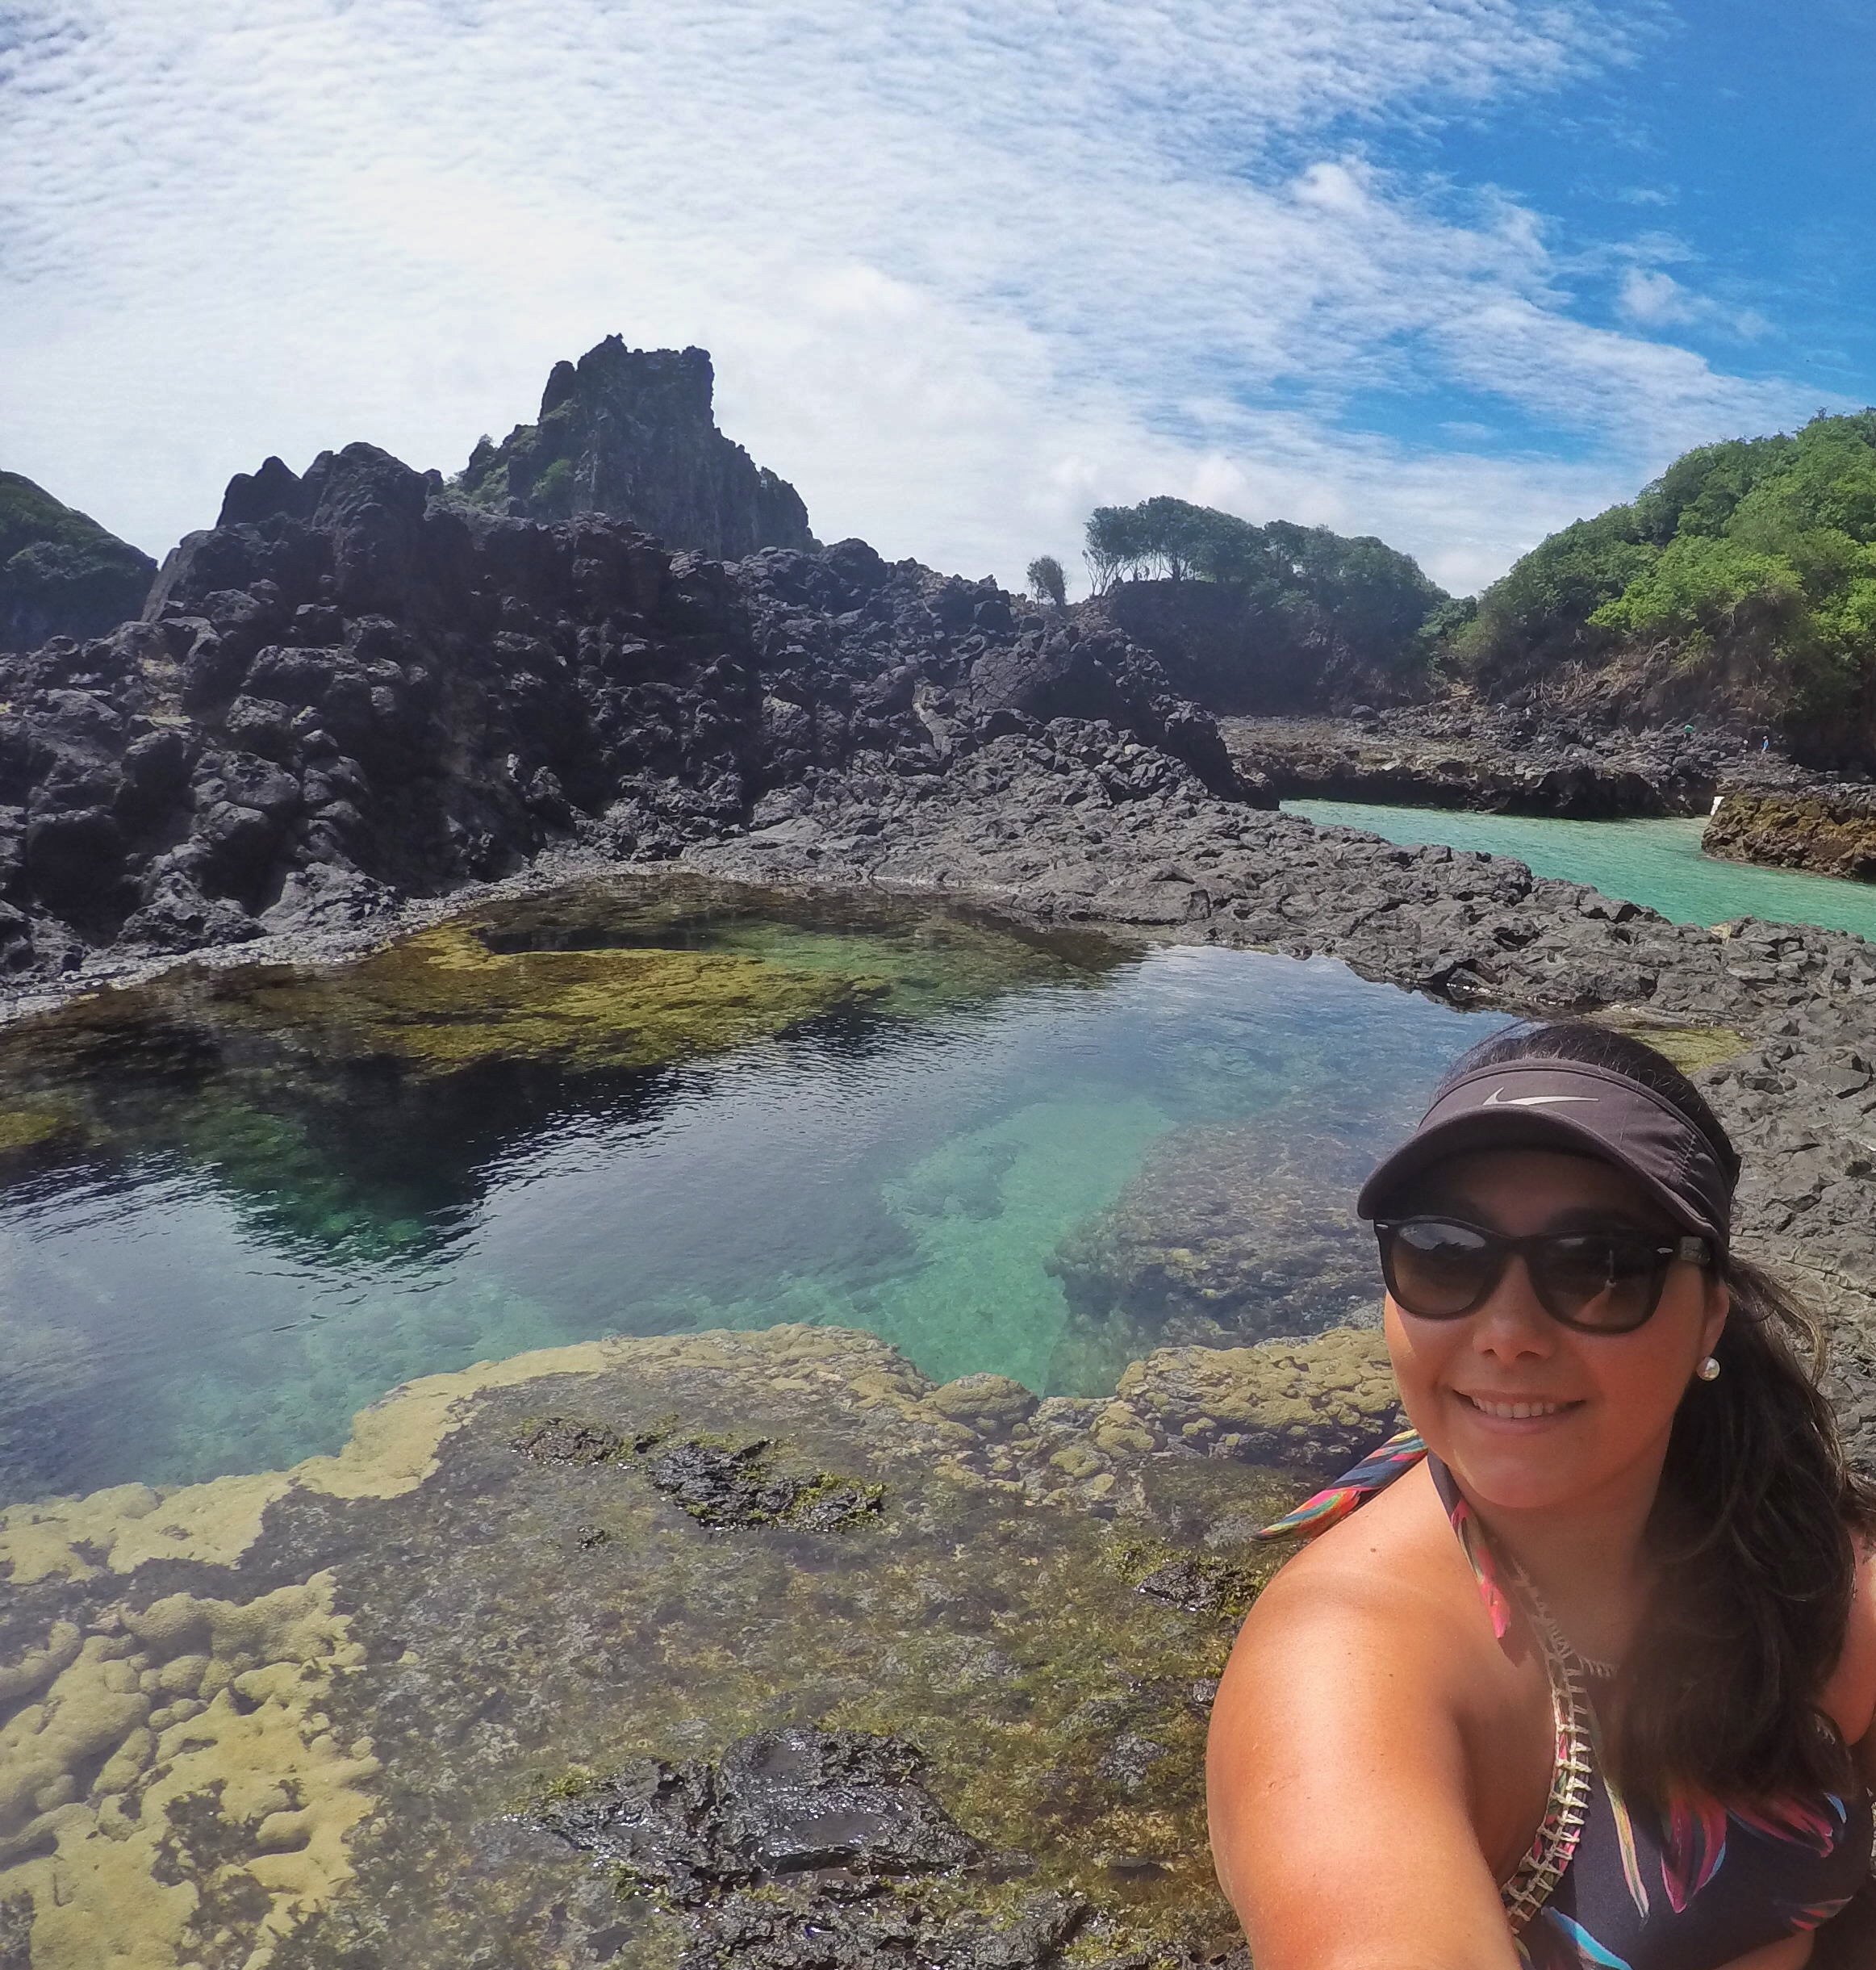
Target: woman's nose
(1512, 1320)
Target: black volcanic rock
(61, 573)
(359, 686)
(631, 432)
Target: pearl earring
(1709, 1370)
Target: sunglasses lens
(1437, 1268)
(1603, 1281)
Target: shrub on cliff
(1751, 562)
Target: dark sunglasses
(1599, 1282)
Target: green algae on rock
(440, 1001)
(288, 1720)
(1689, 1047)
(353, 1108)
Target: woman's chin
(1520, 1464)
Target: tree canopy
(1306, 583)
(1764, 548)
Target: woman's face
(1608, 1401)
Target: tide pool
(1657, 863)
(253, 1206)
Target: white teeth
(1513, 1411)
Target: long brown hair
(1755, 1562)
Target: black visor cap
(1570, 1106)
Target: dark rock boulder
(631, 433)
(61, 573)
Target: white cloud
(1655, 299)
(966, 266)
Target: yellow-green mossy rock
(442, 1001)
(1689, 1047)
(24, 1129)
(356, 1713)
(1321, 1402)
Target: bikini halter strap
(1375, 1472)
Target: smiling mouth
(1513, 1411)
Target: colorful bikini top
(1608, 1883)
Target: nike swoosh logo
(1496, 1099)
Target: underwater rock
(1230, 1233)
(319, 1718)
(46, 1372)
(559, 1440)
(737, 1484)
(174, 1773)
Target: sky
(1452, 272)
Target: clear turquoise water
(192, 1297)
(1656, 862)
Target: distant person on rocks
(1592, 1680)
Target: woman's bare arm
(1848, 1941)
(1338, 1787)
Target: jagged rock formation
(355, 683)
(631, 433)
(61, 573)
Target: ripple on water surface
(1656, 862)
(241, 1206)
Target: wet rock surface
(780, 1802)
(399, 1705)
(1231, 1233)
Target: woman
(1592, 1681)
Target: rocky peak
(631, 433)
(61, 573)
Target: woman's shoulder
(1387, 1592)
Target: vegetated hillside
(61, 573)
(1741, 584)
(1271, 618)
(631, 433)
